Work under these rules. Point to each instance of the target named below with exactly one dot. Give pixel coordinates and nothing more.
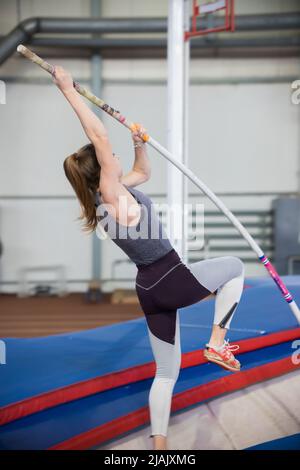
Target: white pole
(186, 88)
(177, 222)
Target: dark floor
(42, 316)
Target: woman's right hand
(136, 133)
(62, 79)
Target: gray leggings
(223, 275)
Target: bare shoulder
(111, 189)
(120, 202)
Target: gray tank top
(143, 243)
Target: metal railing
(221, 238)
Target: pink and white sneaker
(223, 356)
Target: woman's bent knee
(237, 266)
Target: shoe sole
(222, 364)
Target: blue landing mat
(52, 426)
(259, 281)
(38, 365)
(285, 443)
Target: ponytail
(83, 172)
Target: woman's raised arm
(92, 125)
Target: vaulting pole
(165, 153)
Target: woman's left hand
(137, 132)
(62, 79)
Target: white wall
(43, 233)
(243, 136)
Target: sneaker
(223, 356)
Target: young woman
(163, 282)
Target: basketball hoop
(208, 21)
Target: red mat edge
(182, 400)
(88, 387)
